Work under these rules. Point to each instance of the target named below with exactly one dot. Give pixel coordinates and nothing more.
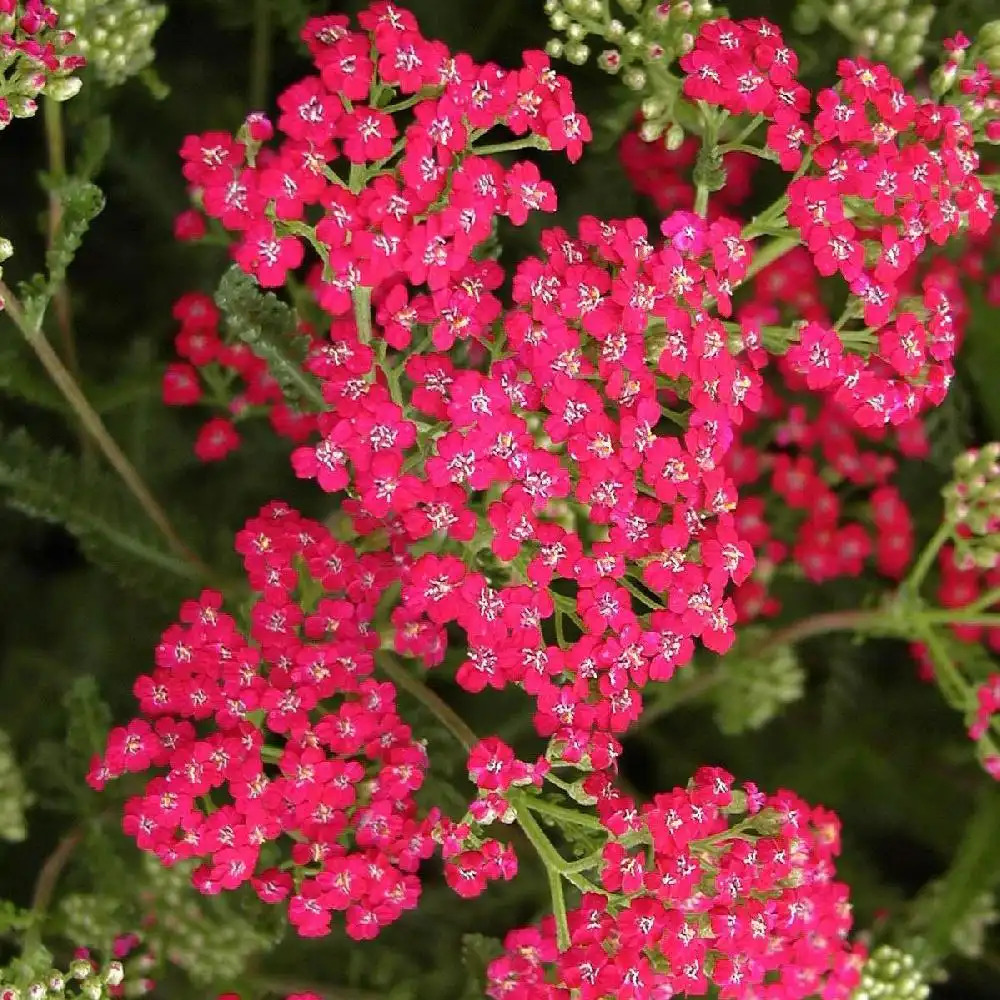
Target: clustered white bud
(972, 505)
(890, 31)
(659, 32)
(116, 36)
(891, 974)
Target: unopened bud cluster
(972, 505)
(891, 31)
(116, 36)
(14, 797)
(647, 32)
(84, 979)
(35, 58)
(753, 689)
(209, 938)
(891, 974)
(969, 78)
(968, 931)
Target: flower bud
(634, 79)
(674, 138)
(62, 88)
(989, 34)
(577, 54)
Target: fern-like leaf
(113, 534)
(267, 326)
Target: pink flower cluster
(547, 485)
(882, 156)
(224, 368)
(281, 736)
(750, 909)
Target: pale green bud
(674, 138)
(634, 79)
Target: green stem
(528, 142)
(362, 298)
(949, 680)
(770, 252)
(701, 200)
(545, 808)
(552, 862)
(922, 567)
(741, 138)
(94, 426)
(821, 624)
(433, 702)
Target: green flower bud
(615, 30)
(650, 131)
(891, 974)
(635, 40)
(554, 47)
(62, 88)
(991, 57)
(577, 54)
(652, 107)
(674, 138)
(115, 35)
(593, 8)
(634, 79)
(989, 34)
(576, 32)
(560, 21)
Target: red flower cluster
(882, 156)
(550, 488)
(210, 362)
(281, 737)
(692, 903)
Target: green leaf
(94, 148)
(81, 202)
(477, 953)
(89, 503)
(267, 325)
(21, 378)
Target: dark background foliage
(868, 740)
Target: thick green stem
(552, 862)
